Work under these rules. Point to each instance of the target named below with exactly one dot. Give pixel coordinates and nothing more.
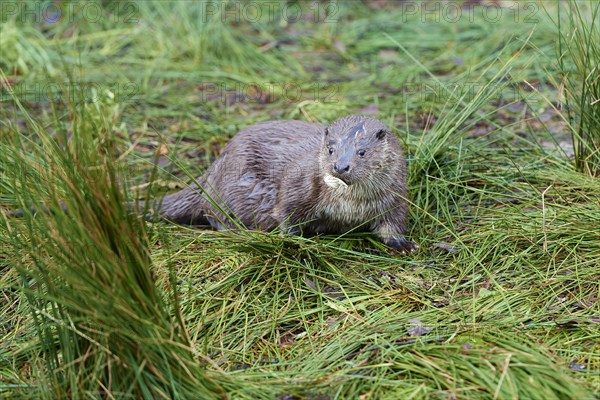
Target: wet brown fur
(271, 175)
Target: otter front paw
(401, 244)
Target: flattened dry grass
(500, 301)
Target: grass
(501, 300)
(578, 42)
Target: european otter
(304, 178)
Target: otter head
(354, 148)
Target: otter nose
(340, 169)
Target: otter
(303, 178)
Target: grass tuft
(579, 58)
(103, 327)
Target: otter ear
(326, 132)
(381, 134)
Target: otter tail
(186, 207)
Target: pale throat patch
(334, 182)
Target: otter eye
(331, 150)
(361, 153)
